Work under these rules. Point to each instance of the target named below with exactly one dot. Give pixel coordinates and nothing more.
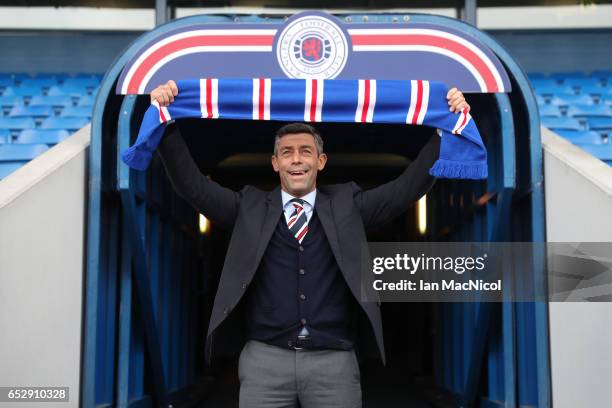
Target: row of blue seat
(565, 90)
(42, 111)
(577, 110)
(39, 111)
(567, 123)
(30, 136)
(49, 82)
(565, 100)
(55, 90)
(598, 73)
(52, 122)
(7, 102)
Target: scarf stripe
(415, 102)
(261, 98)
(314, 100)
(209, 98)
(366, 101)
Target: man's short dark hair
(295, 128)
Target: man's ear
(322, 160)
(274, 163)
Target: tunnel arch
(118, 210)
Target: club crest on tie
(312, 46)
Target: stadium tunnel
(152, 272)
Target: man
(293, 261)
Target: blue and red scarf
(415, 102)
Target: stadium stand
(39, 111)
(578, 107)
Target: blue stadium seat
(582, 82)
(563, 123)
(29, 91)
(589, 111)
(8, 168)
(86, 75)
(38, 82)
(20, 111)
(549, 110)
(6, 81)
(58, 101)
(86, 100)
(20, 76)
(581, 137)
(554, 90)
(602, 152)
(21, 152)
(67, 91)
(76, 112)
(71, 124)
(10, 101)
(536, 75)
(543, 82)
(17, 123)
(90, 82)
(600, 123)
(568, 100)
(5, 136)
(569, 74)
(595, 90)
(602, 73)
(46, 136)
(540, 100)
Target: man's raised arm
(218, 203)
(382, 204)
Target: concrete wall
(578, 208)
(42, 243)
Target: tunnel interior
(236, 153)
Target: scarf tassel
(462, 170)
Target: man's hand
(456, 101)
(164, 94)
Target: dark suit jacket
(345, 211)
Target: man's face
(297, 163)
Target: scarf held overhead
(414, 102)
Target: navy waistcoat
(299, 285)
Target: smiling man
(293, 261)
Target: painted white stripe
(475, 73)
(196, 33)
(413, 99)
(307, 100)
(187, 51)
(370, 113)
(360, 100)
(215, 98)
(319, 101)
(424, 103)
(438, 33)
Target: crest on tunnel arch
(312, 46)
